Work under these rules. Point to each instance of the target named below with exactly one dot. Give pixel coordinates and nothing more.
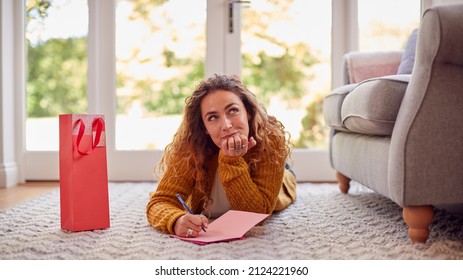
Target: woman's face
(224, 116)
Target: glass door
(135, 61)
(286, 61)
(160, 57)
(55, 78)
(57, 68)
(162, 52)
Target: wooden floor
(12, 196)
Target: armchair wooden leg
(418, 219)
(344, 182)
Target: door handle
(231, 4)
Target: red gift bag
(84, 201)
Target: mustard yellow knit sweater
(270, 187)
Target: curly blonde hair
(191, 143)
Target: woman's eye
(212, 118)
(234, 110)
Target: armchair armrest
(359, 66)
(425, 156)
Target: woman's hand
(237, 146)
(189, 225)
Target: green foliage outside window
(57, 81)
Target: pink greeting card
(230, 226)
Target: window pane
(160, 53)
(386, 25)
(286, 49)
(56, 40)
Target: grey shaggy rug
(321, 224)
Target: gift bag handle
(97, 125)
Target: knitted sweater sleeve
(256, 191)
(163, 208)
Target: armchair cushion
(361, 66)
(332, 106)
(371, 107)
(408, 57)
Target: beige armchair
(402, 135)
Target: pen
(187, 208)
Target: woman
(227, 154)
